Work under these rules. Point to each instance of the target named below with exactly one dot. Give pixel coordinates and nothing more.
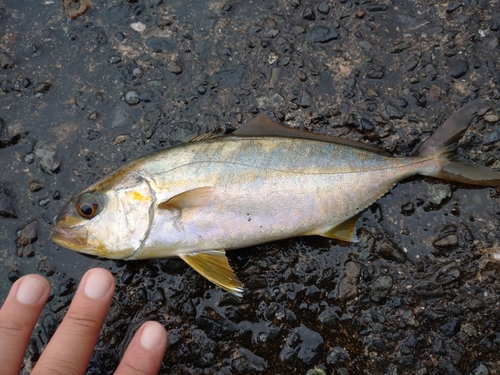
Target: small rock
(469, 329)
(93, 115)
(308, 14)
(453, 7)
(7, 86)
(359, 14)
(330, 316)
(480, 370)
(451, 329)
(367, 125)
(7, 198)
(352, 120)
(29, 158)
(322, 34)
(158, 44)
(138, 26)
(393, 112)
(304, 345)
(230, 76)
(10, 134)
(115, 59)
(337, 356)
(367, 46)
(13, 275)
(301, 76)
(491, 118)
(448, 241)
(375, 74)
(323, 8)
(380, 288)
(316, 371)
(41, 88)
(438, 194)
(27, 235)
(5, 60)
(458, 68)
(400, 47)
(306, 100)
(273, 33)
(35, 186)
(493, 137)
(248, 363)
(137, 72)
(313, 292)
(201, 90)
(48, 161)
(411, 64)
(475, 304)
(388, 250)
(409, 317)
(439, 346)
(256, 282)
(294, 3)
(492, 41)
(131, 98)
(202, 348)
(377, 8)
(348, 286)
(173, 67)
(43, 202)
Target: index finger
(69, 350)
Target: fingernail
(97, 284)
(31, 290)
(151, 336)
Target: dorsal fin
(264, 126)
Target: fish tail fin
(442, 145)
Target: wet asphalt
(82, 96)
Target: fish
(262, 183)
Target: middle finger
(69, 350)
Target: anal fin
(214, 266)
(345, 231)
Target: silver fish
(263, 183)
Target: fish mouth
(73, 238)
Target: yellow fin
(345, 231)
(213, 265)
(194, 198)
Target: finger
(18, 316)
(69, 350)
(145, 352)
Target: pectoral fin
(213, 265)
(194, 198)
(345, 231)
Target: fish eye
(87, 206)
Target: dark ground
(419, 295)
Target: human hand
(71, 346)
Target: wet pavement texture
(82, 95)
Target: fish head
(106, 220)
